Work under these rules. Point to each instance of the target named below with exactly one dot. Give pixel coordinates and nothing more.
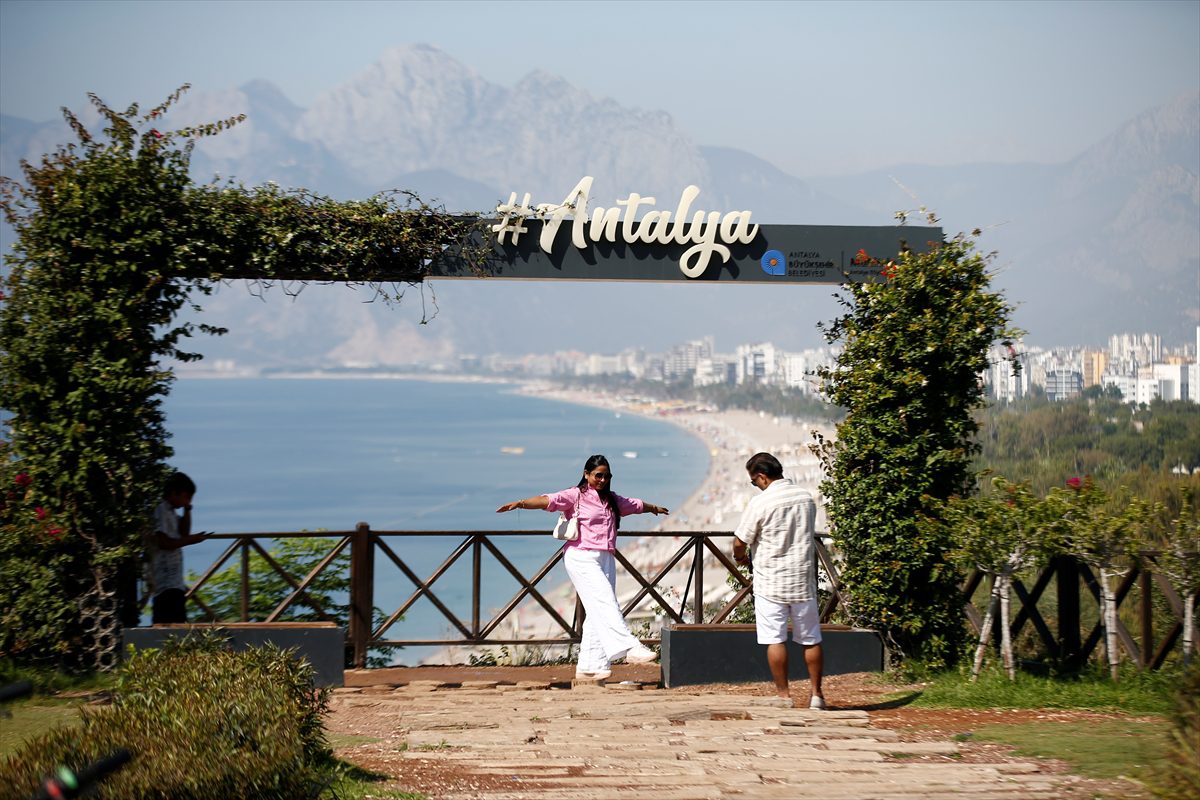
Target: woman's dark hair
(606, 493)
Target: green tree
(87, 318)
(1179, 561)
(113, 239)
(1105, 532)
(1001, 534)
(913, 345)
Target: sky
(815, 88)
(806, 86)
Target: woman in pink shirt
(590, 564)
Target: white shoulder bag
(568, 529)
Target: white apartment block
(1138, 370)
(682, 359)
(715, 371)
(798, 370)
(1140, 349)
(757, 363)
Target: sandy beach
(716, 505)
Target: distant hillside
(1109, 241)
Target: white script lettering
(708, 233)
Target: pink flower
(40, 512)
(22, 479)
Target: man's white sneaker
(817, 703)
(603, 674)
(640, 654)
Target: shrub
(912, 346)
(1179, 778)
(203, 722)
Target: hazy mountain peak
(419, 61)
(418, 109)
(1166, 134)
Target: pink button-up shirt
(597, 524)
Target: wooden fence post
(245, 598)
(1066, 582)
(1147, 615)
(362, 599)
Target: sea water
(278, 455)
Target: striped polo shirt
(779, 525)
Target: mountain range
(1106, 242)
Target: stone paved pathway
(527, 741)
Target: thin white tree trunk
(1189, 615)
(985, 630)
(1108, 608)
(1006, 647)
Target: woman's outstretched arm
(536, 502)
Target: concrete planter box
(322, 644)
(693, 654)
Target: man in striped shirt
(779, 525)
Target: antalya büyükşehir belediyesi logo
(773, 263)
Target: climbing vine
(113, 239)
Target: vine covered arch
(113, 238)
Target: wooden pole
(362, 600)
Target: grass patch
(1136, 692)
(339, 740)
(49, 681)
(1096, 748)
(352, 782)
(33, 717)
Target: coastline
(730, 438)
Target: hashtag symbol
(512, 218)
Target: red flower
(860, 257)
(55, 531)
(1074, 483)
(23, 479)
(157, 135)
(40, 512)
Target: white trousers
(606, 637)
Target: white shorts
(772, 621)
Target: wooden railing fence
(1061, 636)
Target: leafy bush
(1179, 778)
(202, 721)
(913, 345)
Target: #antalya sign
(638, 240)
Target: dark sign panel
(776, 254)
(638, 240)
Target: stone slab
(322, 645)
